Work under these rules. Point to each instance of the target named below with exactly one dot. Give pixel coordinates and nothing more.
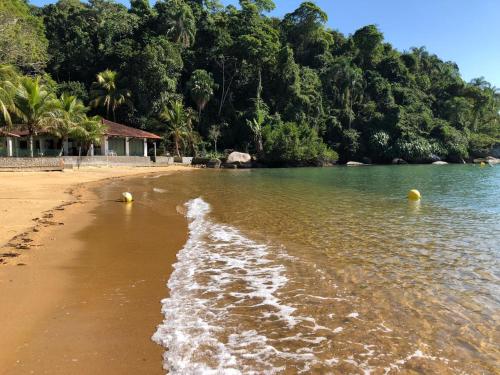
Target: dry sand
(77, 299)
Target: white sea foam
(219, 270)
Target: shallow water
(333, 271)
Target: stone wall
(164, 160)
(132, 161)
(50, 164)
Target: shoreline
(74, 302)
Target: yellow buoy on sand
(127, 197)
(414, 195)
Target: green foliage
(22, 39)
(107, 93)
(281, 85)
(201, 87)
(295, 144)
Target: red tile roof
(5, 133)
(119, 130)
(114, 130)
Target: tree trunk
(215, 146)
(31, 145)
(177, 147)
(223, 86)
(259, 88)
(260, 146)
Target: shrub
(413, 149)
(295, 144)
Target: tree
(70, 113)
(368, 41)
(214, 134)
(106, 93)
(175, 115)
(35, 107)
(304, 31)
(201, 87)
(176, 19)
(22, 38)
(8, 82)
(89, 131)
(256, 125)
(257, 42)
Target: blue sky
(465, 31)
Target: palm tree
(70, 113)
(35, 107)
(201, 86)
(193, 138)
(8, 80)
(106, 93)
(181, 26)
(89, 131)
(176, 117)
(256, 125)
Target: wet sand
(84, 299)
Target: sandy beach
(72, 297)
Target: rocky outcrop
(399, 161)
(238, 157)
(439, 163)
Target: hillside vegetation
(289, 90)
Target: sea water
(334, 271)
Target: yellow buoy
(414, 195)
(127, 197)
(483, 164)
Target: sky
(464, 31)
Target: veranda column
(42, 150)
(154, 147)
(145, 147)
(104, 145)
(65, 147)
(127, 146)
(9, 147)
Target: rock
(238, 157)
(229, 166)
(492, 160)
(399, 161)
(434, 158)
(200, 161)
(354, 164)
(213, 163)
(366, 160)
(439, 163)
(489, 160)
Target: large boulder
(439, 163)
(238, 158)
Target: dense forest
(208, 77)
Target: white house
(118, 140)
